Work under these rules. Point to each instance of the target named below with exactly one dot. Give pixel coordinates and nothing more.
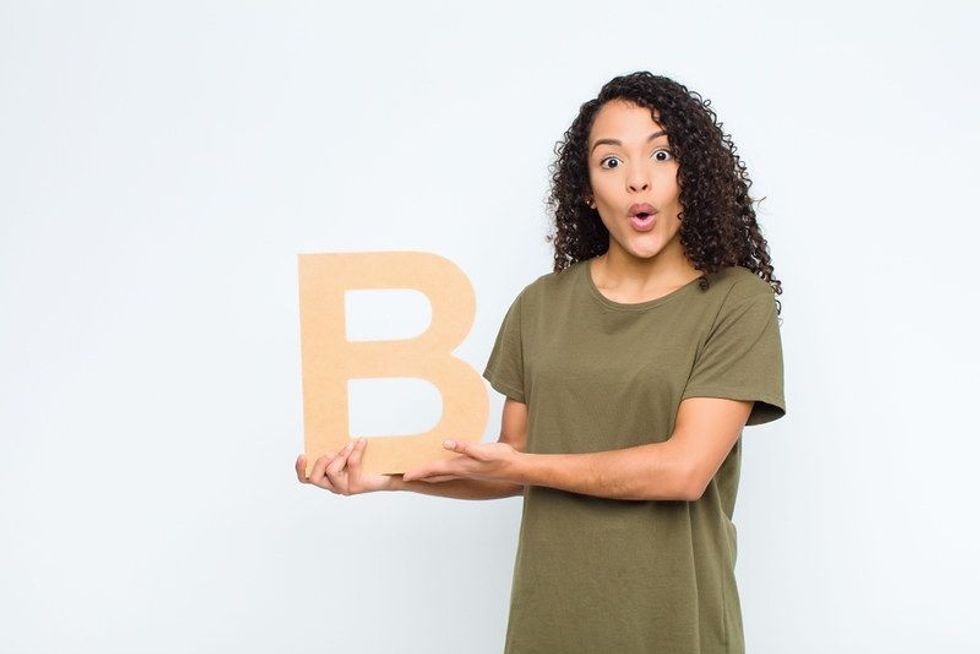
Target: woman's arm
(676, 469)
(645, 472)
(679, 468)
(463, 489)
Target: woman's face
(627, 167)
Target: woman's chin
(645, 250)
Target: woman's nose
(638, 183)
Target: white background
(161, 166)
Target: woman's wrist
(470, 489)
(395, 483)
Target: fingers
(319, 468)
(329, 470)
(301, 467)
(354, 459)
(464, 448)
(335, 472)
(335, 466)
(301, 470)
(355, 483)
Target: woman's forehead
(622, 121)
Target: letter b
(329, 360)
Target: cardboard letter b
(330, 360)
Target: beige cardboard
(329, 359)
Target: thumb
(463, 447)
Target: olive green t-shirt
(606, 575)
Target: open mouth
(642, 221)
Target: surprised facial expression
(633, 174)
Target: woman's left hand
(495, 461)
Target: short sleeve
(742, 358)
(505, 367)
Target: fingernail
(449, 444)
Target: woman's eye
(656, 155)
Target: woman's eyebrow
(617, 142)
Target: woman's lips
(643, 222)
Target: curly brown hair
(718, 224)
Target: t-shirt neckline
(630, 306)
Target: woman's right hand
(341, 473)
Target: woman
(630, 371)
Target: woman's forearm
(655, 471)
(645, 472)
(463, 489)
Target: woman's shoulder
(739, 281)
(741, 277)
(551, 282)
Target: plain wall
(162, 164)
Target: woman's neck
(632, 279)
